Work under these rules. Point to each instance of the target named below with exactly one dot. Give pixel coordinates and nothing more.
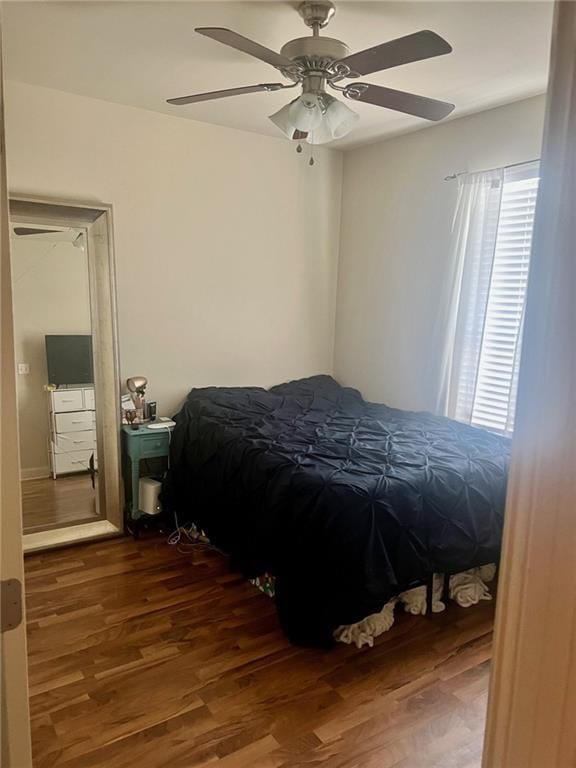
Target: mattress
(345, 502)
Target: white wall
(50, 295)
(226, 241)
(397, 212)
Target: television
(69, 359)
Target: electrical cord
(187, 538)
(186, 535)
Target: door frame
(15, 745)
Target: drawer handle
(77, 462)
(79, 442)
(78, 421)
(69, 400)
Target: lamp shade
(320, 135)
(340, 118)
(283, 120)
(305, 112)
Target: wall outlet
(23, 368)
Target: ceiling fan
(27, 231)
(317, 62)
(52, 235)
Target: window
(495, 393)
(496, 257)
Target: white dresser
(72, 430)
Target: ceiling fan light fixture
(340, 118)
(337, 121)
(79, 242)
(320, 135)
(305, 112)
(282, 120)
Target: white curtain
(474, 232)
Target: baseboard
(35, 473)
(73, 534)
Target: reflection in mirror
(54, 364)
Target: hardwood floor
(144, 656)
(48, 503)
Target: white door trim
(15, 745)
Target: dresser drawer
(75, 441)
(78, 421)
(89, 399)
(154, 445)
(77, 461)
(67, 400)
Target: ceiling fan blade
(21, 231)
(210, 95)
(241, 43)
(403, 50)
(410, 103)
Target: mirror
(67, 382)
(55, 376)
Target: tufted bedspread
(346, 502)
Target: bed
(346, 502)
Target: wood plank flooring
(48, 503)
(144, 656)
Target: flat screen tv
(69, 359)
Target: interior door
(15, 724)
(532, 704)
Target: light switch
(23, 368)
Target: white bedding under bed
(466, 589)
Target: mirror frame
(96, 219)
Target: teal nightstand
(138, 444)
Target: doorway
(55, 378)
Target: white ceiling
(141, 53)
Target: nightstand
(138, 444)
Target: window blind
(494, 398)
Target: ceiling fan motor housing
(308, 49)
(314, 55)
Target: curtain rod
(453, 176)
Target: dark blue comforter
(346, 502)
